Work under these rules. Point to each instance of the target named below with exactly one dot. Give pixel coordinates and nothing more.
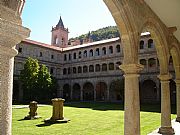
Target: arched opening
(79, 69)
(66, 91)
(98, 68)
(97, 52)
(91, 53)
(116, 90)
(141, 45)
(104, 51)
(74, 70)
(76, 92)
(85, 69)
(104, 67)
(148, 91)
(150, 43)
(173, 91)
(64, 71)
(143, 62)
(118, 49)
(110, 50)
(15, 91)
(88, 91)
(101, 91)
(152, 63)
(85, 54)
(91, 68)
(111, 66)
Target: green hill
(100, 34)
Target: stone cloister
(132, 18)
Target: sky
(79, 16)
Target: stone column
(166, 127)
(11, 33)
(107, 94)
(57, 109)
(178, 99)
(94, 94)
(81, 94)
(132, 103)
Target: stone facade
(88, 71)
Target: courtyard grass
(86, 119)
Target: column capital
(131, 68)
(165, 77)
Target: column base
(178, 119)
(166, 131)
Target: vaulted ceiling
(168, 11)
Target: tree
(29, 77)
(37, 81)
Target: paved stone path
(26, 106)
(175, 125)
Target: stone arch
(158, 35)
(101, 91)
(66, 91)
(76, 92)
(175, 53)
(88, 91)
(116, 90)
(148, 91)
(124, 17)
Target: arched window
(85, 54)
(74, 55)
(150, 43)
(79, 69)
(118, 49)
(110, 50)
(69, 56)
(104, 51)
(62, 41)
(152, 62)
(85, 69)
(111, 66)
(104, 67)
(141, 44)
(98, 68)
(64, 71)
(55, 40)
(91, 53)
(117, 65)
(69, 70)
(80, 55)
(91, 68)
(143, 62)
(74, 70)
(97, 52)
(65, 57)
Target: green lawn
(86, 119)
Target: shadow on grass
(49, 124)
(101, 106)
(105, 106)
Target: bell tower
(59, 35)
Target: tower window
(65, 57)
(20, 50)
(74, 55)
(40, 54)
(52, 56)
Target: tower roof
(60, 23)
